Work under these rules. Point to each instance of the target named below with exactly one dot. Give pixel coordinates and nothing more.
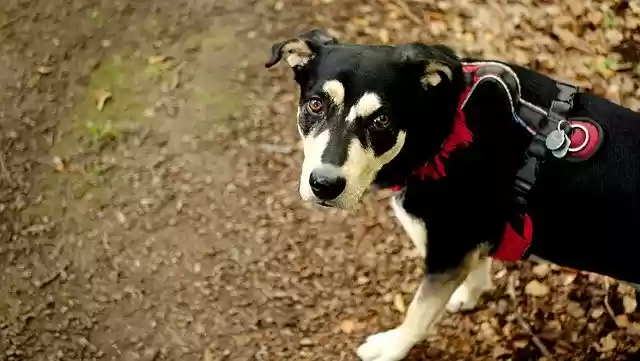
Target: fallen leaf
(149, 113)
(499, 351)
(208, 356)
(500, 274)
(44, 70)
(597, 312)
(347, 326)
(575, 310)
(569, 278)
(634, 328)
(58, 164)
(629, 303)
(521, 343)
(383, 35)
(613, 36)
(398, 302)
(121, 217)
(101, 99)
(536, 289)
(622, 321)
(541, 270)
(608, 343)
(157, 59)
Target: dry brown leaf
(398, 303)
(520, 57)
(597, 312)
(58, 164)
(595, 17)
(541, 270)
(536, 289)
(629, 303)
(208, 355)
(521, 343)
(383, 34)
(634, 328)
(501, 273)
(575, 310)
(101, 99)
(608, 343)
(613, 36)
(499, 351)
(157, 59)
(306, 342)
(622, 321)
(347, 326)
(569, 278)
(44, 70)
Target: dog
(487, 159)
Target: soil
(149, 173)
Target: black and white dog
(494, 160)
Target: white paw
(464, 299)
(392, 345)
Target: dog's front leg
(479, 280)
(468, 294)
(426, 308)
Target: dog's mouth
(324, 204)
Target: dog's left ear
(437, 63)
(299, 50)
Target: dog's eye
(315, 105)
(381, 122)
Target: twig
(407, 12)
(511, 290)
(607, 306)
(47, 280)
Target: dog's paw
(464, 299)
(392, 345)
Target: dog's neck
(426, 133)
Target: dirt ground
(149, 172)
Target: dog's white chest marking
(413, 226)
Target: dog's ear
(437, 63)
(298, 51)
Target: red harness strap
(513, 244)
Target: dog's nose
(326, 186)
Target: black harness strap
(543, 123)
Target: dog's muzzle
(326, 183)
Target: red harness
(518, 233)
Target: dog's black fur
(586, 215)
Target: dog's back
(587, 214)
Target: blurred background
(149, 185)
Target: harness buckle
(553, 121)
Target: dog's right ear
(298, 51)
(437, 63)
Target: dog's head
(366, 110)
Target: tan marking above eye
(365, 106)
(335, 90)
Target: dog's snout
(326, 185)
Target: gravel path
(149, 173)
